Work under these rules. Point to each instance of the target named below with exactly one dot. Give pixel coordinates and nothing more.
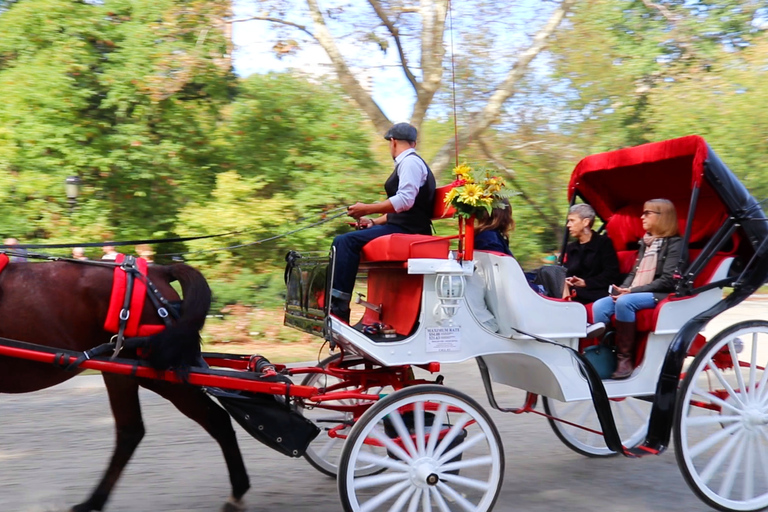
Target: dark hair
(499, 220)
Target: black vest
(418, 219)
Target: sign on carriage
(443, 339)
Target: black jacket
(664, 279)
(596, 263)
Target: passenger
(651, 279)
(491, 234)
(590, 261)
(492, 231)
(408, 209)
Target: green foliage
(293, 149)
(123, 94)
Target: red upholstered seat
(401, 247)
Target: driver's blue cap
(401, 131)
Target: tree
(641, 71)
(416, 32)
(123, 94)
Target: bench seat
(402, 247)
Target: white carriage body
(513, 358)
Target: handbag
(602, 358)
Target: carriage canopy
(687, 172)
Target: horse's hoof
(233, 505)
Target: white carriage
(411, 445)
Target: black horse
(64, 305)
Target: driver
(408, 209)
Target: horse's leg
(196, 405)
(124, 401)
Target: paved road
(54, 445)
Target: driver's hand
(357, 210)
(364, 223)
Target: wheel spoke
(719, 458)
(426, 503)
(453, 452)
(748, 487)
(726, 385)
(434, 432)
(479, 485)
(327, 447)
(726, 487)
(365, 482)
(384, 461)
(715, 400)
(458, 498)
(401, 501)
(413, 505)
(469, 463)
(713, 440)
(737, 370)
(403, 433)
(634, 407)
(380, 499)
(751, 391)
(763, 458)
(698, 421)
(451, 435)
(390, 445)
(760, 392)
(442, 505)
(418, 425)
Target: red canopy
(617, 183)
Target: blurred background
(193, 117)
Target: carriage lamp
(450, 290)
(72, 189)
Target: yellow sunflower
(471, 194)
(451, 195)
(462, 171)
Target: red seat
(401, 247)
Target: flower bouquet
(476, 191)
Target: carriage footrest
(269, 420)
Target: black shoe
(340, 310)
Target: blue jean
(348, 247)
(625, 307)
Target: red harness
(3, 261)
(138, 297)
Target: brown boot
(625, 349)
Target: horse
(64, 304)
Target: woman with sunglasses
(651, 279)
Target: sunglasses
(648, 212)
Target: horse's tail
(179, 345)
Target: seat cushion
(401, 247)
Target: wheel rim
(324, 451)
(630, 414)
(461, 468)
(723, 420)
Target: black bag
(270, 420)
(552, 278)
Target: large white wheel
(431, 434)
(324, 452)
(631, 415)
(721, 422)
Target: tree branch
(490, 113)
(433, 15)
(275, 20)
(395, 33)
(516, 184)
(346, 77)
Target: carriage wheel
(324, 452)
(431, 434)
(630, 414)
(721, 421)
